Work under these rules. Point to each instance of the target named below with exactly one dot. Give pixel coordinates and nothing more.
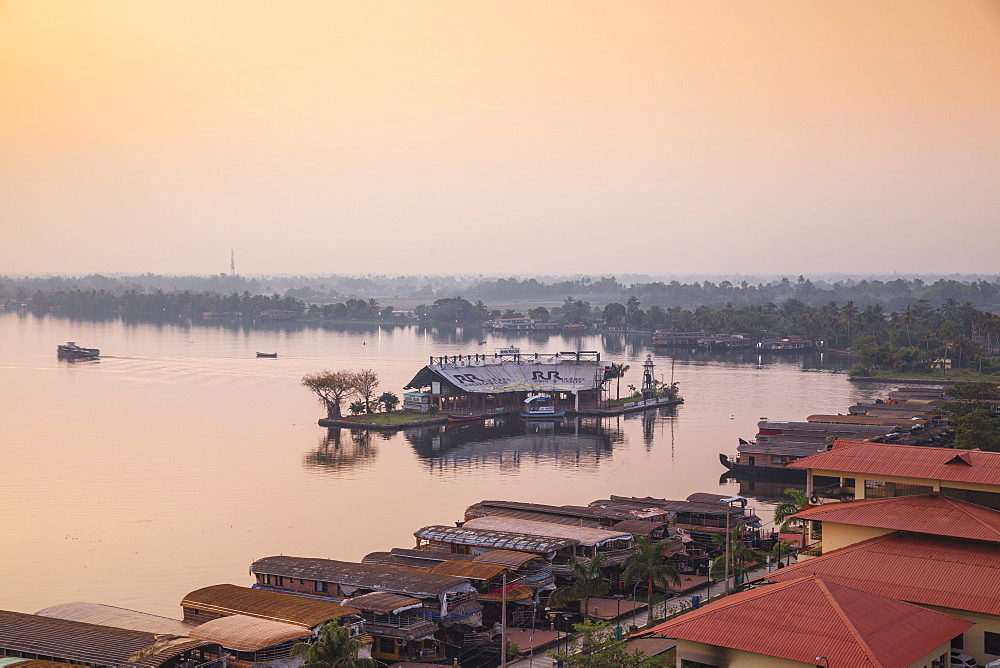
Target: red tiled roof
(907, 461)
(929, 513)
(929, 570)
(809, 617)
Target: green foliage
(647, 563)
(357, 407)
(453, 310)
(603, 650)
(389, 400)
(588, 582)
(796, 501)
(976, 423)
(333, 649)
(742, 559)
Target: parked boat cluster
(700, 339)
(907, 416)
(444, 599)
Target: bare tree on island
(331, 387)
(365, 383)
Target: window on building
(958, 642)
(265, 579)
(386, 646)
(685, 663)
(991, 643)
(279, 581)
(322, 586)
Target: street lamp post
(826, 661)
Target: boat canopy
(539, 399)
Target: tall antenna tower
(232, 262)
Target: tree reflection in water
(341, 449)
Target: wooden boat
(541, 407)
(465, 417)
(267, 354)
(75, 352)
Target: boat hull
(543, 416)
(465, 418)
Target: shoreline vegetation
(931, 327)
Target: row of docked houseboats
(441, 601)
(909, 416)
(721, 342)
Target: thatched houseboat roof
(122, 618)
(470, 570)
(508, 540)
(249, 634)
(571, 515)
(349, 575)
(384, 603)
(640, 527)
(229, 599)
(79, 642)
(583, 535)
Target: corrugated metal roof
(399, 561)
(498, 539)
(229, 599)
(383, 602)
(514, 593)
(108, 615)
(929, 514)
(470, 570)
(809, 617)
(363, 576)
(906, 461)
(929, 570)
(89, 643)
(249, 634)
(585, 535)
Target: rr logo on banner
(545, 375)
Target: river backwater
(180, 457)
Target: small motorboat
(541, 407)
(465, 417)
(267, 354)
(71, 351)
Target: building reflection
(507, 442)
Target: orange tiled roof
(928, 513)
(929, 570)
(907, 461)
(809, 617)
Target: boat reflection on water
(507, 441)
(766, 491)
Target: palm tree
(334, 649)
(646, 563)
(588, 583)
(617, 371)
(783, 511)
(742, 559)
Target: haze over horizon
(558, 138)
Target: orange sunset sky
(543, 137)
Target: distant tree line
(892, 294)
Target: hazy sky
(544, 136)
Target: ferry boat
(75, 352)
(541, 407)
(275, 355)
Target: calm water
(180, 457)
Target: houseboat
(399, 632)
(585, 516)
(677, 339)
(785, 344)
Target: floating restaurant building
(501, 382)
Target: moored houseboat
(399, 632)
(677, 339)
